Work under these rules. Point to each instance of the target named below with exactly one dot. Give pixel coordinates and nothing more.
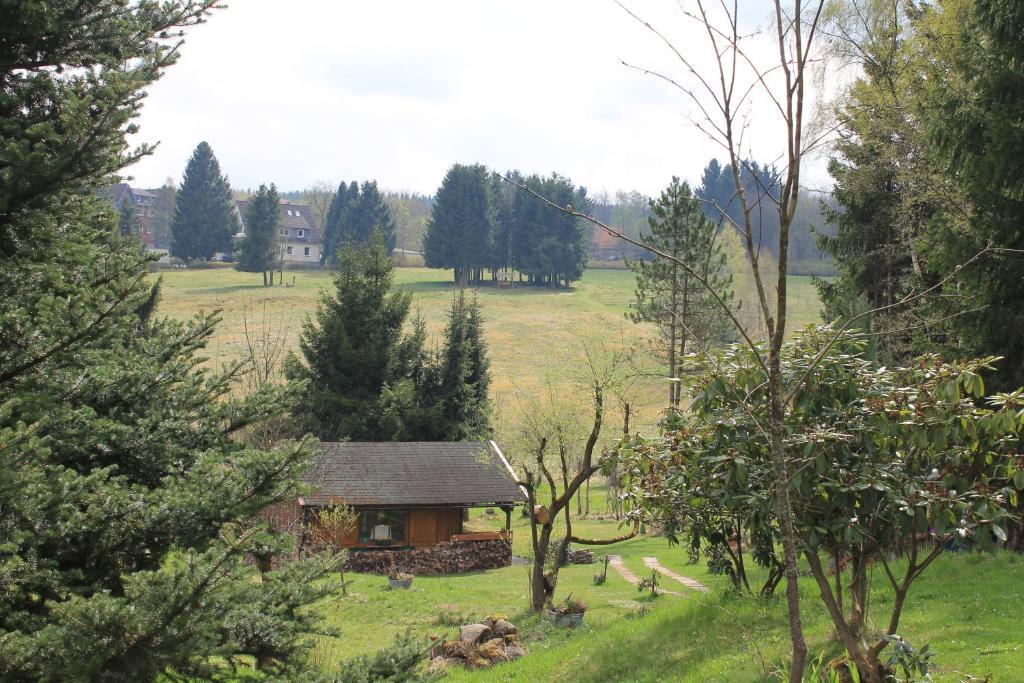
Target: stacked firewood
(449, 557)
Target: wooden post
(508, 518)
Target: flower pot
(400, 583)
(567, 620)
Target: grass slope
(966, 606)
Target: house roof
(294, 217)
(411, 474)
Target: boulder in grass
(504, 628)
(493, 650)
(475, 633)
(514, 652)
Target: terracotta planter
(570, 620)
(400, 583)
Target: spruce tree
(205, 220)
(127, 220)
(369, 214)
(334, 219)
(462, 224)
(259, 249)
(671, 296)
(550, 245)
(127, 502)
(350, 348)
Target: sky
(394, 90)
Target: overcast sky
(394, 90)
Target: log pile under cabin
(448, 557)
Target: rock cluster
(449, 557)
(492, 641)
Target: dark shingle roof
(411, 473)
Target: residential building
(299, 235)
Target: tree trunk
(784, 510)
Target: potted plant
(569, 612)
(400, 579)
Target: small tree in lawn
(668, 294)
(259, 246)
(550, 423)
(205, 220)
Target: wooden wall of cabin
(423, 526)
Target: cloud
(399, 90)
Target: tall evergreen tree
(671, 296)
(126, 500)
(163, 214)
(258, 248)
(550, 246)
(462, 224)
(351, 347)
(369, 214)
(336, 216)
(205, 220)
(973, 104)
(127, 220)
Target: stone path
(653, 563)
(615, 562)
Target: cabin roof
(412, 474)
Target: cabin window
(301, 233)
(383, 527)
(305, 251)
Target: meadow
(536, 336)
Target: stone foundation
(449, 557)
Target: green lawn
(966, 607)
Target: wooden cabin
(411, 494)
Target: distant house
(299, 234)
(143, 202)
(410, 500)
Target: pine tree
(349, 349)
(205, 220)
(671, 296)
(462, 224)
(550, 245)
(972, 103)
(259, 249)
(369, 214)
(127, 220)
(163, 214)
(126, 500)
(336, 216)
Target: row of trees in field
(480, 226)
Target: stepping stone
(653, 563)
(615, 562)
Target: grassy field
(534, 335)
(966, 607)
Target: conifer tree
(669, 295)
(350, 348)
(259, 249)
(370, 214)
(127, 220)
(205, 220)
(462, 224)
(336, 216)
(550, 246)
(126, 500)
